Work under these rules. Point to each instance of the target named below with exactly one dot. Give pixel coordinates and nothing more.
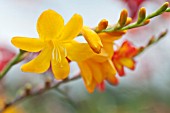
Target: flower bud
(128, 21)
(102, 25)
(141, 15)
(146, 22)
(123, 18)
(93, 39)
(163, 7)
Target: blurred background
(145, 90)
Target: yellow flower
(95, 71)
(53, 43)
(99, 67)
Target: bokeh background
(145, 90)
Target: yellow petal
(28, 44)
(119, 67)
(113, 80)
(93, 39)
(85, 72)
(108, 47)
(96, 71)
(109, 72)
(60, 70)
(78, 51)
(41, 63)
(72, 28)
(102, 57)
(60, 66)
(98, 58)
(50, 24)
(129, 63)
(91, 87)
(112, 36)
(108, 68)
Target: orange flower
(95, 70)
(99, 67)
(123, 57)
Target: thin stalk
(15, 60)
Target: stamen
(54, 54)
(58, 53)
(65, 52)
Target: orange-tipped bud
(123, 18)
(141, 15)
(146, 22)
(102, 25)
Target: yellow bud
(141, 15)
(146, 22)
(128, 21)
(102, 25)
(93, 39)
(123, 18)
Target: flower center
(59, 53)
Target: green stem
(15, 60)
(133, 25)
(162, 9)
(153, 41)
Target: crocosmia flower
(5, 56)
(96, 69)
(53, 44)
(99, 67)
(124, 57)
